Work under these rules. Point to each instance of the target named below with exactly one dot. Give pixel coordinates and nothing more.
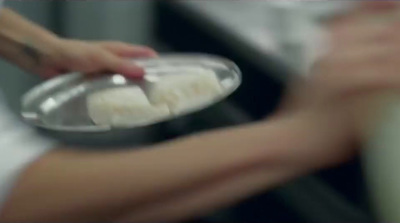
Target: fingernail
(153, 53)
(133, 71)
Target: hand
(363, 64)
(362, 52)
(66, 55)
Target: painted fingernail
(133, 71)
(152, 53)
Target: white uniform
(20, 145)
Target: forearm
(73, 186)
(225, 191)
(22, 42)
(211, 196)
(98, 186)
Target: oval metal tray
(59, 104)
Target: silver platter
(59, 104)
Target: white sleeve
(20, 145)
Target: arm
(305, 136)
(41, 52)
(200, 173)
(17, 37)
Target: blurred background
(254, 34)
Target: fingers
(116, 52)
(370, 17)
(379, 5)
(97, 57)
(362, 32)
(357, 71)
(364, 57)
(127, 50)
(110, 62)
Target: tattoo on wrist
(29, 50)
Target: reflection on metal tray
(60, 103)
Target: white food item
(184, 92)
(123, 106)
(187, 89)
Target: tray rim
(34, 92)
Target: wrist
(24, 43)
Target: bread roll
(184, 92)
(123, 106)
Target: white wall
(122, 20)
